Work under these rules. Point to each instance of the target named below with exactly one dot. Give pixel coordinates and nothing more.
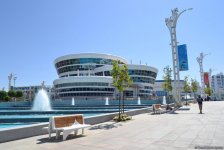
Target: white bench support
(67, 130)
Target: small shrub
(187, 103)
(19, 94)
(7, 98)
(123, 117)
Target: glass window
(86, 89)
(82, 84)
(84, 61)
(142, 73)
(143, 80)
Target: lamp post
(210, 78)
(14, 79)
(10, 79)
(200, 62)
(171, 24)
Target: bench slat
(65, 121)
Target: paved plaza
(183, 129)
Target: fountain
(164, 100)
(139, 101)
(106, 101)
(73, 101)
(41, 101)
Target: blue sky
(33, 33)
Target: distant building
(217, 85)
(29, 92)
(158, 87)
(88, 75)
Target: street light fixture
(171, 24)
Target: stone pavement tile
(219, 135)
(170, 136)
(218, 142)
(199, 141)
(209, 127)
(206, 135)
(67, 145)
(118, 141)
(82, 147)
(144, 136)
(164, 142)
(102, 144)
(208, 130)
(157, 136)
(220, 128)
(180, 130)
(201, 147)
(182, 139)
(145, 141)
(189, 134)
(117, 146)
(161, 147)
(197, 124)
(27, 148)
(182, 144)
(134, 146)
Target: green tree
(208, 91)
(167, 86)
(194, 86)
(121, 80)
(19, 94)
(11, 93)
(3, 94)
(7, 98)
(186, 87)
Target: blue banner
(182, 56)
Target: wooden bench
(157, 108)
(66, 124)
(170, 107)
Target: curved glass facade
(89, 94)
(143, 80)
(84, 61)
(142, 73)
(81, 84)
(103, 73)
(87, 89)
(78, 67)
(74, 73)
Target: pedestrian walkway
(183, 129)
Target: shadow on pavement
(173, 113)
(54, 140)
(106, 126)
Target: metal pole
(210, 78)
(14, 79)
(171, 24)
(200, 62)
(10, 79)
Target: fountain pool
(13, 114)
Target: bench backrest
(65, 121)
(157, 106)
